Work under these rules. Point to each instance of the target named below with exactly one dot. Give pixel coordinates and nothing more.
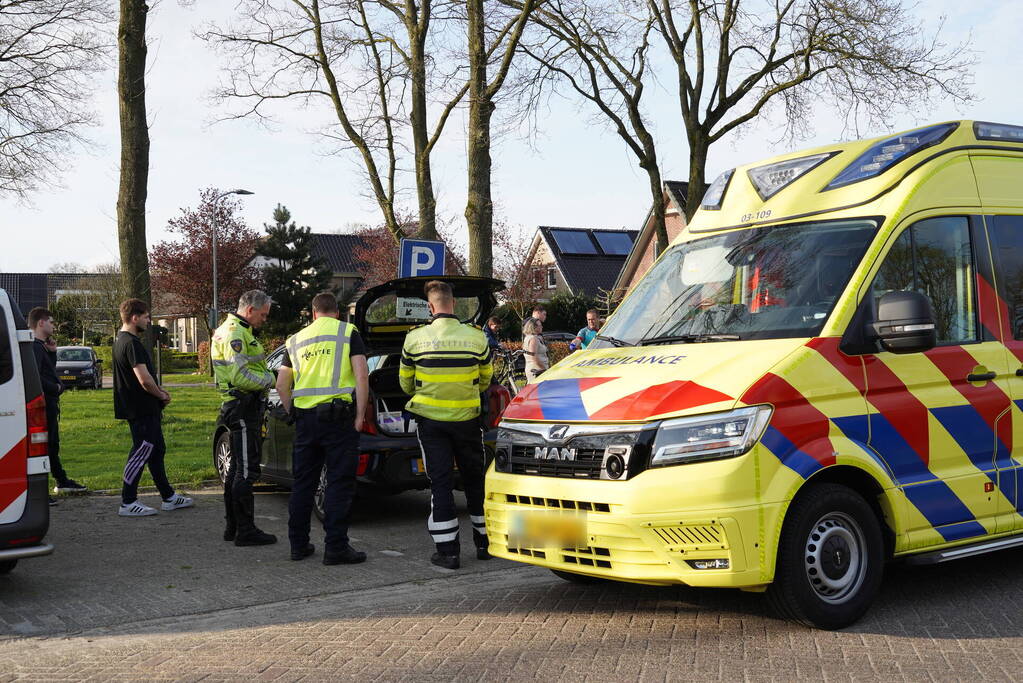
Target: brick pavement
(403, 620)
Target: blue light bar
(715, 194)
(997, 131)
(884, 154)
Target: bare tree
(479, 208)
(369, 60)
(49, 50)
(134, 182)
(600, 50)
(739, 59)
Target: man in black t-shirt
(40, 320)
(140, 400)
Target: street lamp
(214, 311)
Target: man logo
(554, 453)
(557, 432)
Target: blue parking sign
(421, 257)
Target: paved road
(163, 598)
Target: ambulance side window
(6, 357)
(935, 257)
(1007, 244)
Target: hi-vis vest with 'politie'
(238, 360)
(444, 367)
(320, 357)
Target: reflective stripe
(293, 356)
(464, 377)
(342, 343)
(245, 450)
(441, 526)
(443, 403)
(323, 391)
(477, 519)
(441, 538)
(314, 340)
(222, 362)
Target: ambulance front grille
(693, 537)
(587, 464)
(557, 503)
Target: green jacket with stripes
(445, 366)
(238, 358)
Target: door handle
(983, 377)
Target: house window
(552, 278)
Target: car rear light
(498, 398)
(363, 464)
(38, 437)
(369, 423)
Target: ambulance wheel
(830, 558)
(572, 577)
(320, 499)
(7, 565)
(222, 455)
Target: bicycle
(509, 375)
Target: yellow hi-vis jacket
(238, 359)
(320, 356)
(445, 366)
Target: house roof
(338, 252)
(586, 273)
(678, 191)
(41, 289)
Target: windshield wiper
(688, 339)
(613, 340)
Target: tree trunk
(420, 134)
(479, 208)
(657, 208)
(131, 195)
(699, 145)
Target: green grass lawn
(184, 378)
(94, 446)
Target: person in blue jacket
(587, 334)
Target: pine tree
(293, 276)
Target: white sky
(582, 175)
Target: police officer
(243, 380)
(323, 371)
(445, 366)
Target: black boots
(246, 532)
(347, 555)
(446, 561)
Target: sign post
(421, 257)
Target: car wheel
(320, 499)
(222, 455)
(572, 577)
(830, 557)
(7, 565)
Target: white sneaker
(136, 509)
(177, 501)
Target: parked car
(24, 500)
(390, 460)
(79, 366)
(558, 337)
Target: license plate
(67, 376)
(543, 529)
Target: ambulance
(24, 465)
(821, 374)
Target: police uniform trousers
(244, 417)
(321, 441)
(444, 444)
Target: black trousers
(53, 439)
(444, 444)
(147, 450)
(244, 417)
(319, 442)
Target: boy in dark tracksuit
(41, 322)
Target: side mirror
(99, 361)
(905, 323)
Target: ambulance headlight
(709, 437)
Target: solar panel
(614, 243)
(574, 241)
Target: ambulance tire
(7, 566)
(830, 559)
(572, 577)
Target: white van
(24, 465)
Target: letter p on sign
(421, 258)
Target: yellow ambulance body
(822, 373)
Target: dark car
(78, 366)
(558, 337)
(390, 460)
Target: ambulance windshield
(761, 283)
